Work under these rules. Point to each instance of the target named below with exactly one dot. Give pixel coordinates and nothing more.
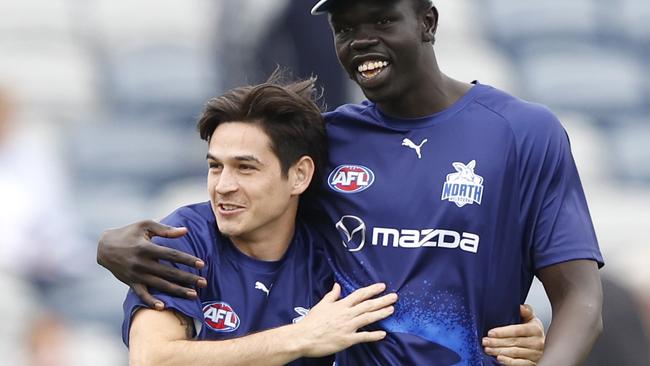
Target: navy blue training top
(244, 295)
(456, 212)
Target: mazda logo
(353, 232)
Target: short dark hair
(422, 6)
(287, 111)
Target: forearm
(576, 298)
(576, 325)
(272, 347)
(161, 338)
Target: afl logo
(220, 317)
(351, 178)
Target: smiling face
(384, 46)
(250, 197)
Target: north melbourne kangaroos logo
(463, 187)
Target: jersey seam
(514, 138)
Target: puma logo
(302, 313)
(410, 144)
(262, 287)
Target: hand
(332, 324)
(133, 259)
(518, 344)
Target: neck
(432, 92)
(271, 242)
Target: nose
(226, 183)
(363, 40)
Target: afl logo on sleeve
(351, 178)
(220, 317)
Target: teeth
(372, 65)
(228, 207)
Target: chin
(377, 96)
(228, 230)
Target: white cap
(321, 7)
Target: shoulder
(201, 229)
(314, 256)
(312, 242)
(198, 214)
(525, 119)
(306, 231)
(348, 112)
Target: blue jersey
(244, 295)
(456, 212)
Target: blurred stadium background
(98, 101)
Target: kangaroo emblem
(464, 186)
(465, 173)
(410, 144)
(260, 286)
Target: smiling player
(265, 269)
(460, 225)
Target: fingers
(508, 361)
(375, 304)
(372, 316)
(146, 297)
(367, 310)
(519, 344)
(171, 274)
(154, 228)
(531, 329)
(362, 337)
(168, 287)
(171, 255)
(363, 294)
(534, 343)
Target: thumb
(154, 228)
(526, 312)
(334, 293)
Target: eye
(385, 21)
(214, 165)
(343, 29)
(246, 168)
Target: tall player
(453, 194)
(485, 196)
(264, 266)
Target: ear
(301, 174)
(430, 25)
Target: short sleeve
(556, 221)
(189, 243)
(132, 303)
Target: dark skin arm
(575, 292)
(131, 256)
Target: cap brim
(321, 7)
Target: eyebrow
(248, 158)
(370, 16)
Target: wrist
(300, 343)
